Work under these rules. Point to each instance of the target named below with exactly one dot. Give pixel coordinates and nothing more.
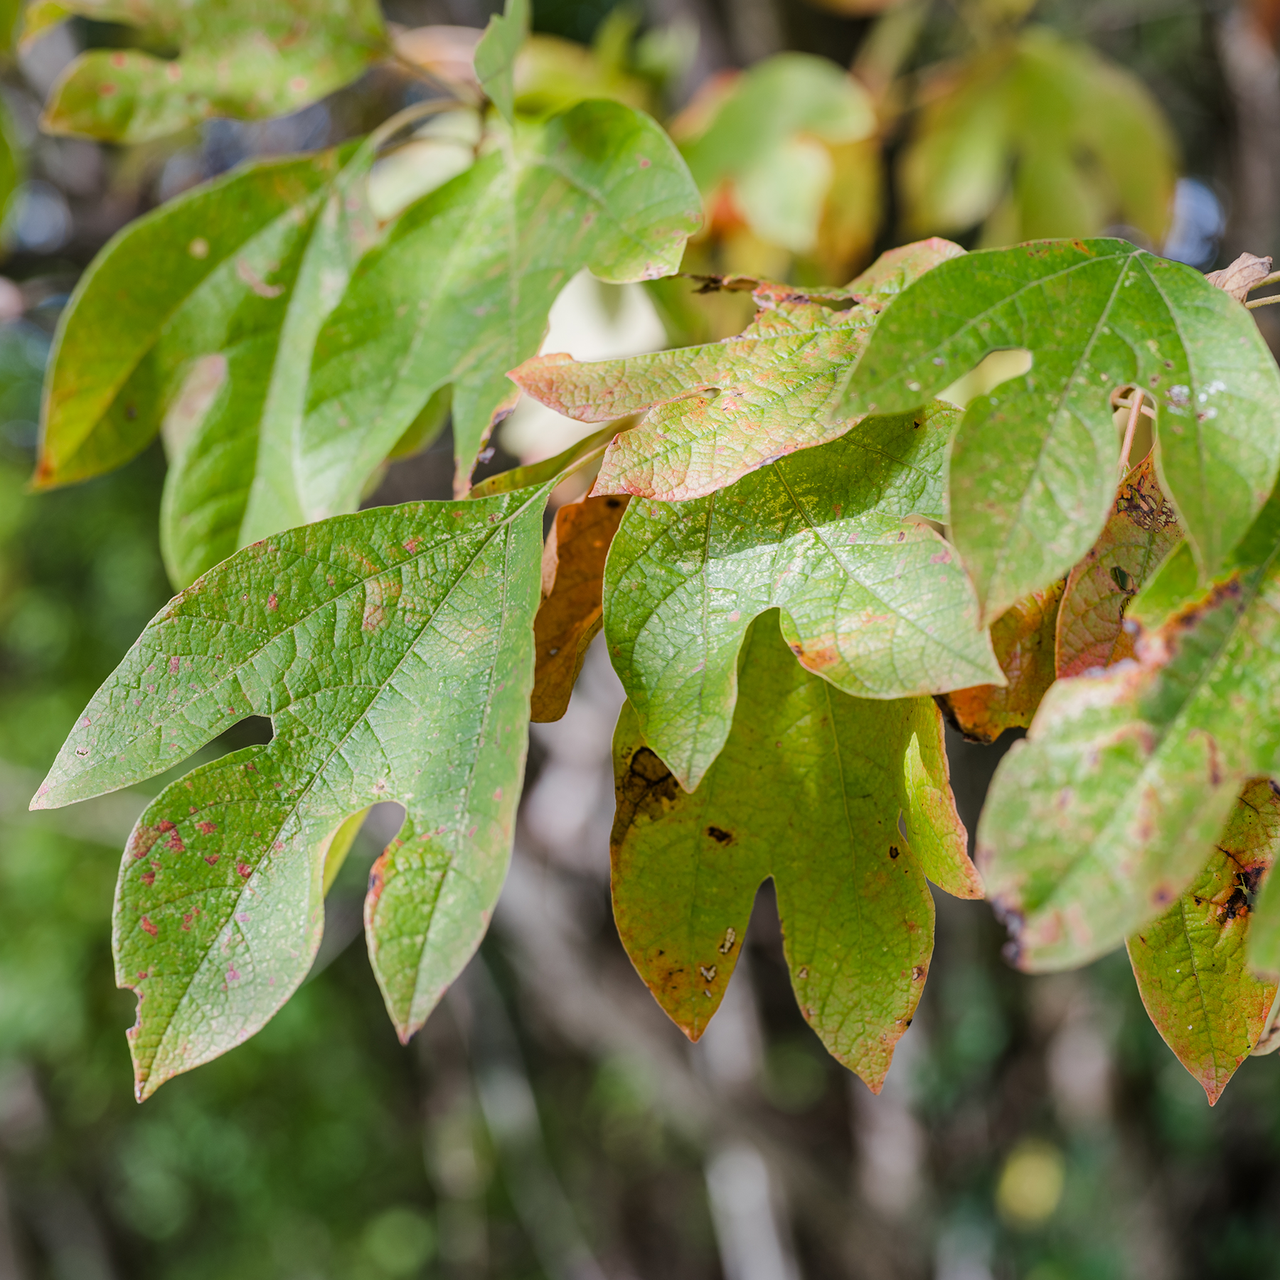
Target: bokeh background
(549, 1123)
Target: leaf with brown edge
(1023, 640)
(1098, 821)
(572, 609)
(721, 410)
(1142, 530)
(1191, 963)
(848, 854)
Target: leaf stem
(1263, 302)
(1135, 410)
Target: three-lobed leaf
(393, 652)
(720, 410)
(235, 58)
(1033, 466)
(872, 600)
(868, 814)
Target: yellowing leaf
(1142, 530)
(235, 58)
(843, 851)
(719, 411)
(1190, 963)
(1023, 640)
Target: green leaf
(393, 651)
(495, 56)
(848, 853)
(1141, 532)
(1034, 463)
(460, 290)
(1096, 823)
(1190, 963)
(235, 58)
(1023, 640)
(873, 602)
(213, 347)
(721, 410)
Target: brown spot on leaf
(719, 835)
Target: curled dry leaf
(1022, 638)
(1247, 272)
(1191, 962)
(1142, 530)
(572, 608)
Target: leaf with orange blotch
(848, 852)
(1022, 638)
(572, 608)
(721, 410)
(1191, 963)
(1142, 530)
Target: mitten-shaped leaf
(1033, 467)
(459, 292)
(235, 58)
(1097, 822)
(848, 852)
(721, 410)
(1191, 962)
(572, 609)
(1142, 530)
(873, 602)
(199, 320)
(393, 651)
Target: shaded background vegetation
(549, 1122)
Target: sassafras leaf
(1142, 530)
(235, 58)
(857, 918)
(1190, 963)
(460, 290)
(1097, 822)
(871, 600)
(572, 609)
(721, 410)
(1022, 638)
(393, 652)
(1033, 467)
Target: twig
(1263, 302)
(1135, 409)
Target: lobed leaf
(235, 58)
(460, 290)
(846, 853)
(572, 609)
(1191, 962)
(1097, 822)
(870, 600)
(393, 652)
(1023, 640)
(495, 56)
(721, 410)
(1033, 464)
(1141, 531)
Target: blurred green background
(549, 1122)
